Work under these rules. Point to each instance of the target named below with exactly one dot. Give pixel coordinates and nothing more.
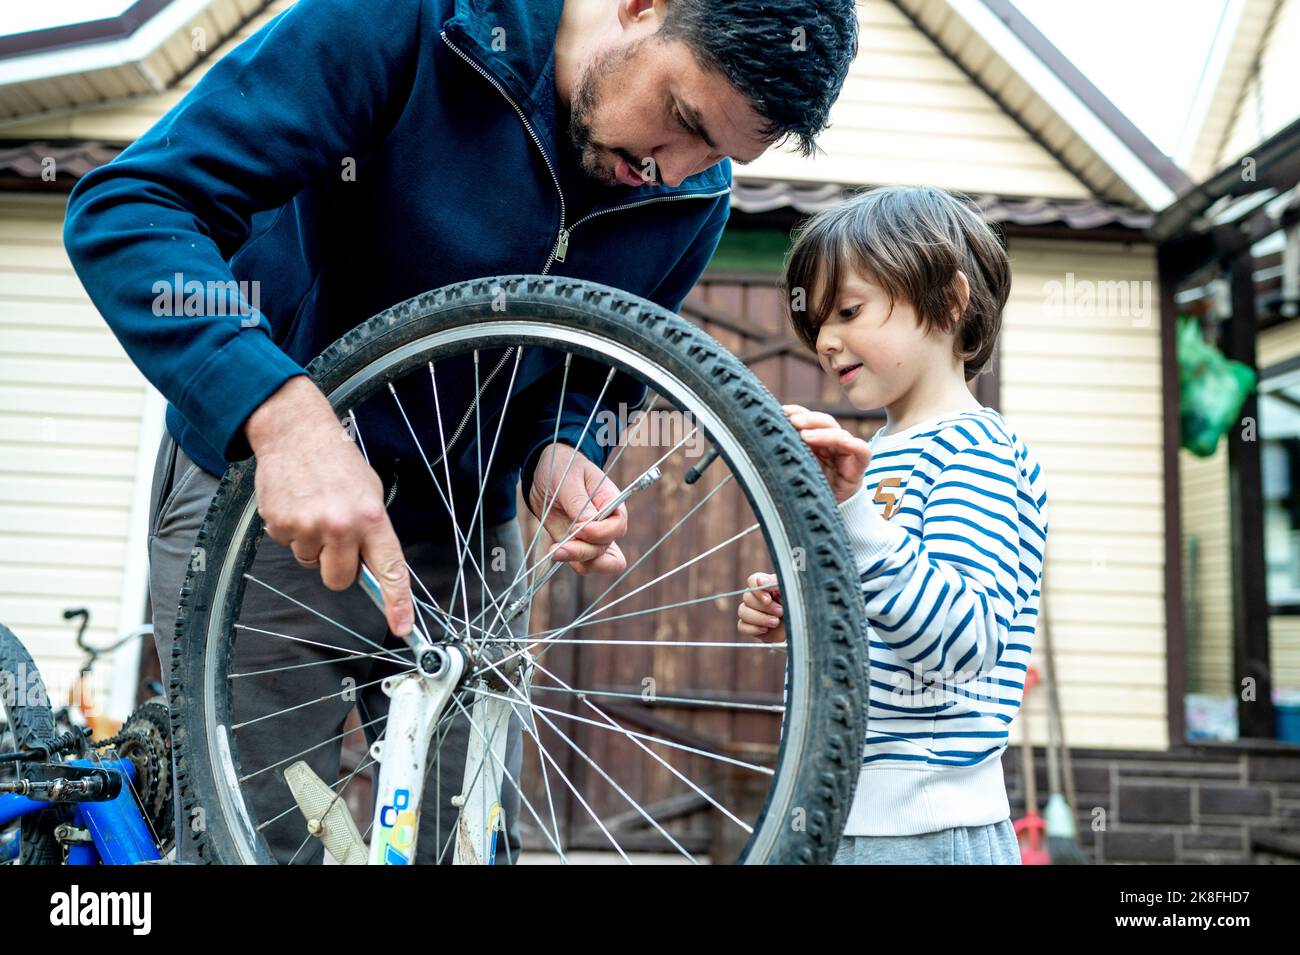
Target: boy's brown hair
(910, 241)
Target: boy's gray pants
(182, 492)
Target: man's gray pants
(182, 492)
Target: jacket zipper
(532, 135)
(561, 248)
(563, 243)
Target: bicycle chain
(155, 742)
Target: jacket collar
(514, 42)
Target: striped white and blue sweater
(948, 532)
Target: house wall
(1207, 580)
(908, 114)
(75, 422)
(1081, 383)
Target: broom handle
(1027, 760)
(1064, 769)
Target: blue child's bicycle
(68, 799)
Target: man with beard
(349, 156)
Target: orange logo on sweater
(884, 497)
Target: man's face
(644, 112)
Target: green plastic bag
(1212, 389)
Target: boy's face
(875, 350)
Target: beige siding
(1082, 386)
(1270, 98)
(910, 115)
(1277, 344)
(71, 412)
(127, 119)
(1204, 484)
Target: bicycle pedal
(327, 815)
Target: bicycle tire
(31, 723)
(823, 779)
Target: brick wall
(1197, 804)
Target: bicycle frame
(118, 831)
(418, 703)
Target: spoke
(750, 645)
(653, 547)
(678, 569)
(612, 724)
(460, 535)
(613, 727)
(445, 617)
(451, 494)
(482, 525)
(543, 639)
(310, 749)
(643, 478)
(552, 489)
(596, 766)
(684, 700)
(525, 569)
(411, 570)
(477, 517)
(351, 654)
(312, 610)
(321, 699)
(619, 789)
(604, 476)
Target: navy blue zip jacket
(347, 157)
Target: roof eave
(1152, 177)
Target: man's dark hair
(910, 241)
(789, 57)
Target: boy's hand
(760, 611)
(843, 456)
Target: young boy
(900, 292)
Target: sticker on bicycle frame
(397, 829)
(494, 822)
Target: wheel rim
(368, 381)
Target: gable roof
(1248, 91)
(143, 50)
(1235, 50)
(968, 95)
(1049, 96)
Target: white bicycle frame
(419, 700)
(418, 703)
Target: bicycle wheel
(30, 722)
(657, 727)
